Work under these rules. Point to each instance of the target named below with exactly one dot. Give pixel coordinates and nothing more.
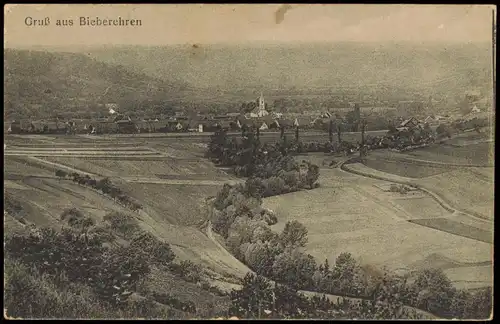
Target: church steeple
(262, 104)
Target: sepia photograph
(249, 161)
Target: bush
(158, 251)
(188, 270)
(124, 224)
(30, 295)
(75, 218)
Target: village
(258, 117)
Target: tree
(363, 122)
(259, 256)
(330, 131)
(297, 134)
(479, 305)
(253, 299)
(435, 291)
(346, 275)
(443, 130)
(61, 174)
(294, 234)
(312, 175)
(217, 145)
(159, 251)
(294, 268)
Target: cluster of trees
(270, 167)
(280, 257)
(104, 185)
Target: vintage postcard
(249, 161)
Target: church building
(260, 110)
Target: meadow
(358, 217)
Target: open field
(172, 208)
(357, 217)
(380, 161)
(465, 190)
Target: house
(175, 126)
(144, 126)
(15, 127)
(196, 126)
(263, 125)
(158, 126)
(429, 119)
(7, 127)
(107, 126)
(111, 107)
(226, 124)
(409, 123)
(123, 126)
(475, 109)
(222, 117)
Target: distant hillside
(386, 67)
(38, 83)
(201, 76)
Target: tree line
(103, 185)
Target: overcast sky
(209, 23)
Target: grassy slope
(168, 210)
(466, 188)
(348, 214)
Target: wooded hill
(38, 83)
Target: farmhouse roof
(222, 117)
(409, 121)
(124, 121)
(248, 122)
